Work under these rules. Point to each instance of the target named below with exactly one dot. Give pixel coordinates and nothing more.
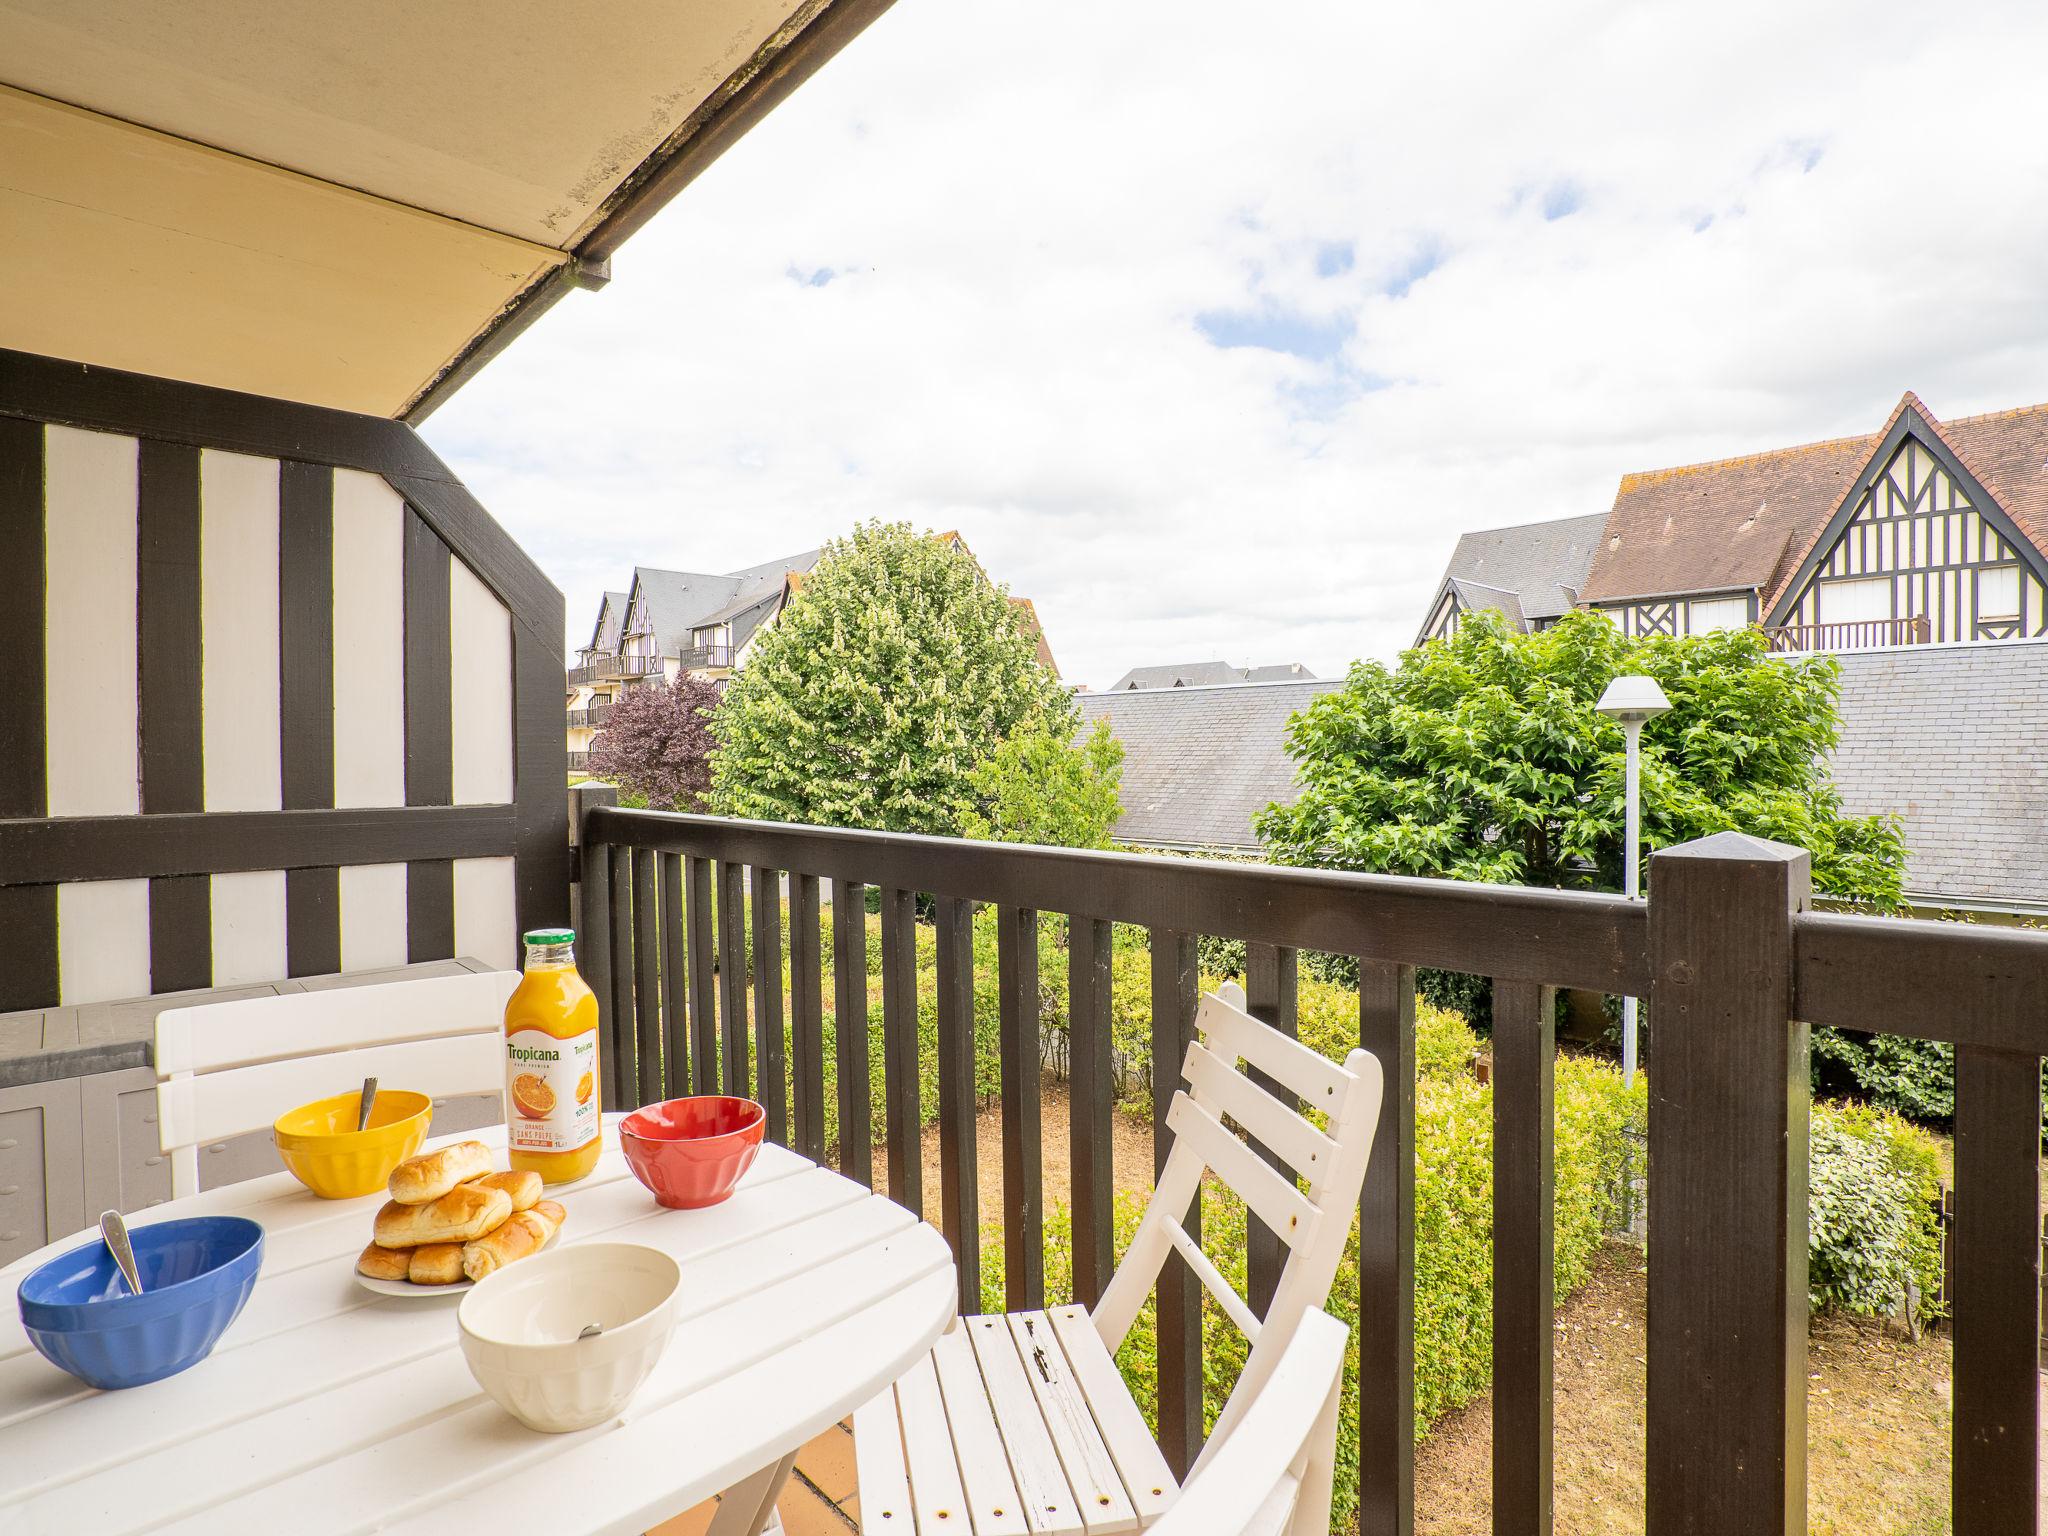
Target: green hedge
(1872, 1242)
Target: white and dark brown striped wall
(1921, 543)
(277, 698)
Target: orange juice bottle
(552, 1103)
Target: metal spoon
(590, 1331)
(114, 1232)
(369, 1098)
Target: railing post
(1272, 996)
(1728, 1160)
(590, 912)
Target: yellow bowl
(320, 1144)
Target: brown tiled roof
(1751, 522)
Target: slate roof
(676, 602)
(1208, 674)
(1954, 739)
(1748, 522)
(1199, 761)
(1530, 571)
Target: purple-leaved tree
(657, 744)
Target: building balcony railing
(699, 658)
(601, 667)
(591, 718)
(1736, 969)
(578, 761)
(1853, 635)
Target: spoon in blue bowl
(114, 1232)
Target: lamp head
(1632, 700)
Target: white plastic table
(326, 1408)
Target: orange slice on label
(586, 1088)
(532, 1096)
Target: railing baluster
(1386, 1261)
(1997, 1303)
(770, 1085)
(625, 1055)
(850, 1026)
(732, 978)
(646, 977)
(675, 1005)
(899, 1049)
(959, 1189)
(1271, 990)
(1090, 1073)
(1524, 1284)
(1726, 1410)
(806, 1019)
(703, 980)
(594, 955)
(1023, 1166)
(1176, 991)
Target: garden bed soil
(1877, 1425)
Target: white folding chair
(226, 1068)
(1020, 1425)
(1272, 1475)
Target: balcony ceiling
(344, 205)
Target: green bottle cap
(550, 936)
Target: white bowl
(520, 1326)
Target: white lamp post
(1632, 700)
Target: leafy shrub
(1871, 1237)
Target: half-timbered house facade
(1925, 532)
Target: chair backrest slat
(1235, 1035)
(215, 1036)
(1221, 1089)
(1276, 1201)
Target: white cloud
(960, 278)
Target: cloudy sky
(1212, 325)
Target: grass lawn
(1877, 1426)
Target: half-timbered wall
(1697, 615)
(1443, 621)
(1916, 547)
(276, 697)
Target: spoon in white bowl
(369, 1097)
(114, 1232)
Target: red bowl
(691, 1152)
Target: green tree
(896, 669)
(1482, 757)
(1040, 787)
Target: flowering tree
(657, 744)
(896, 669)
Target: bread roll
(431, 1175)
(552, 1210)
(463, 1213)
(523, 1185)
(383, 1263)
(523, 1235)
(435, 1264)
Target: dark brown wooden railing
(1725, 948)
(699, 656)
(1854, 635)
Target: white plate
(413, 1292)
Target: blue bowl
(196, 1276)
